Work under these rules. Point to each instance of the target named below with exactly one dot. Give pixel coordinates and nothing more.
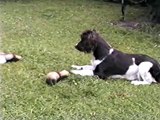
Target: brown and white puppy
(109, 62)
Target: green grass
(44, 32)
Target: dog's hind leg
(144, 76)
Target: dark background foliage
(154, 4)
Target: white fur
(2, 59)
(139, 75)
(85, 67)
(83, 72)
(144, 76)
(86, 70)
(111, 51)
(94, 63)
(131, 73)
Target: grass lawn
(44, 32)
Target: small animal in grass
(9, 57)
(53, 77)
(109, 62)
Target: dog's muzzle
(79, 48)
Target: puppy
(109, 62)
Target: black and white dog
(109, 62)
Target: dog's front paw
(76, 67)
(76, 72)
(135, 82)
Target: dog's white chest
(94, 62)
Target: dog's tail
(155, 71)
(157, 75)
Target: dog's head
(88, 41)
